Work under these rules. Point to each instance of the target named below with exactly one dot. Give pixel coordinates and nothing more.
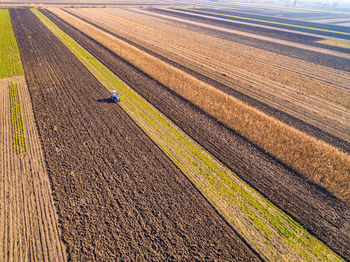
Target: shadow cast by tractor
(105, 100)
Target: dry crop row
(319, 161)
(18, 134)
(273, 86)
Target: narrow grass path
(10, 60)
(271, 232)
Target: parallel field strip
(184, 53)
(29, 228)
(265, 227)
(9, 55)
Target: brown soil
(118, 196)
(29, 226)
(318, 211)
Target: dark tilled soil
(316, 209)
(280, 115)
(305, 55)
(118, 196)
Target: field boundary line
(266, 228)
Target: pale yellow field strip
(29, 229)
(260, 37)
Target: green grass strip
(18, 134)
(266, 21)
(10, 60)
(271, 232)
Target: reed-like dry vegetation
(317, 160)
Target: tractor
(114, 97)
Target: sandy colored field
(306, 99)
(317, 160)
(29, 229)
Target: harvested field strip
(265, 227)
(118, 195)
(29, 227)
(266, 21)
(10, 60)
(18, 134)
(275, 87)
(317, 160)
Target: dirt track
(117, 195)
(319, 212)
(29, 227)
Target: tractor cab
(114, 97)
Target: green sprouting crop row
(10, 60)
(18, 134)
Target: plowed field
(118, 196)
(319, 212)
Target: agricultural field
(29, 225)
(231, 140)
